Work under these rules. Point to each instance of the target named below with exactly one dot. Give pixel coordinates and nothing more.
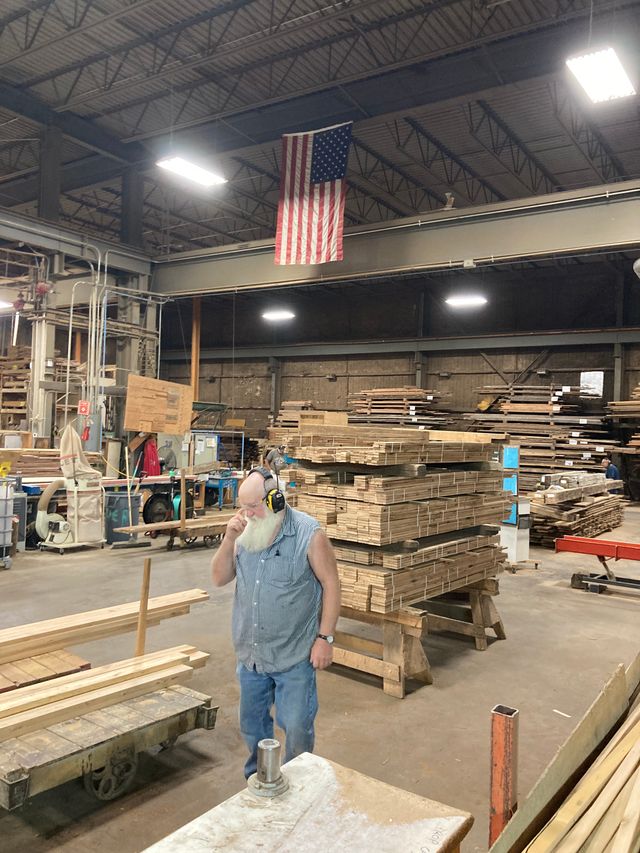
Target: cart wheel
(190, 540)
(60, 550)
(169, 742)
(170, 545)
(208, 541)
(112, 780)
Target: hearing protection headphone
(274, 498)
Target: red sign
(83, 407)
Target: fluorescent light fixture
(278, 315)
(4, 304)
(601, 75)
(466, 301)
(188, 170)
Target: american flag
(312, 193)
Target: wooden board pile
(40, 705)
(41, 464)
(626, 409)
(288, 415)
(549, 425)
(14, 386)
(578, 504)
(405, 514)
(40, 637)
(408, 406)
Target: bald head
(252, 489)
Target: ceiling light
(189, 170)
(468, 301)
(278, 315)
(601, 75)
(4, 304)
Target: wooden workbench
(327, 808)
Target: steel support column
(49, 174)
(132, 207)
(274, 369)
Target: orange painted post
(504, 768)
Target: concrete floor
(562, 645)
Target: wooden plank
(358, 644)
(67, 686)
(55, 712)
(628, 834)
(603, 714)
(363, 663)
(36, 637)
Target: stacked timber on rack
(577, 504)
(406, 406)
(41, 705)
(14, 386)
(405, 510)
(626, 409)
(550, 426)
(41, 464)
(289, 415)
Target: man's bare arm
(323, 564)
(223, 566)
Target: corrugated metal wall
(246, 385)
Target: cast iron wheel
(158, 508)
(112, 780)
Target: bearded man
(287, 602)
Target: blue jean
(296, 699)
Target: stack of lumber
(40, 705)
(40, 463)
(14, 386)
(588, 797)
(385, 580)
(408, 406)
(621, 409)
(40, 637)
(404, 510)
(288, 416)
(632, 446)
(549, 425)
(574, 505)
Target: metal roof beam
(393, 180)
(424, 149)
(23, 104)
(501, 142)
(534, 340)
(586, 138)
(566, 223)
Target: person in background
(286, 606)
(611, 472)
(274, 460)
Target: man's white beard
(258, 533)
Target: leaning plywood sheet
(549, 791)
(157, 406)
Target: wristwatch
(327, 637)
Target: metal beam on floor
(576, 222)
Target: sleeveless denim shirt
(276, 609)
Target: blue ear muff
(274, 498)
